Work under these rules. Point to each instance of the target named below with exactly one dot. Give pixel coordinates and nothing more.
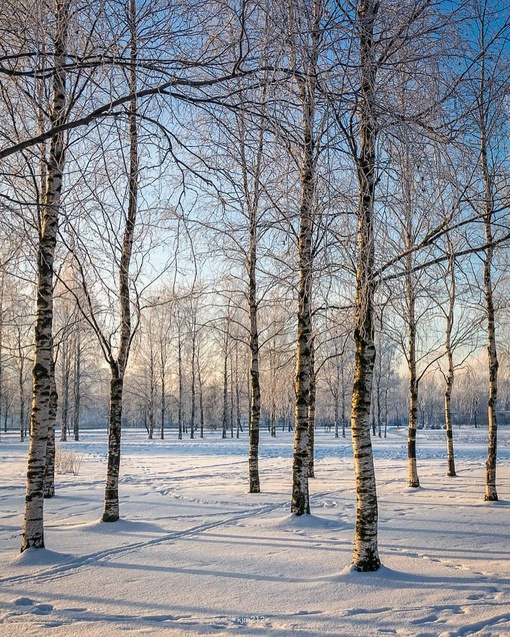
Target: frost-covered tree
(43, 370)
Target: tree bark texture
(414, 480)
(163, 394)
(491, 493)
(232, 396)
(200, 398)
(77, 385)
(49, 471)
(181, 385)
(21, 393)
(193, 372)
(255, 396)
(410, 294)
(365, 554)
(238, 397)
(152, 394)
(300, 502)
(343, 418)
(450, 372)
(111, 512)
(224, 417)
(66, 378)
(33, 525)
(450, 455)
(311, 416)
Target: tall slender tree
(33, 526)
(366, 553)
(305, 77)
(118, 363)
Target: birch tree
(305, 78)
(420, 351)
(366, 554)
(116, 353)
(380, 37)
(77, 378)
(118, 363)
(33, 526)
(488, 114)
(18, 347)
(484, 95)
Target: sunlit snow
(195, 554)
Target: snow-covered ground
(195, 554)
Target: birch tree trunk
(311, 416)
(150, 414)
(21, 388)
(232, 396)
(162, 377)
(492, 449)
(343, 418)
(238, 395)
(254, 432)
(379, 419)
(300, 503)
(224, 417)
(386, 412)
(365, 555)
(181, 384)
(77, 383)
(193, 372)
(49, 471)
(152, 393)
(118, 367)
(414, 480)
(485, 123)
(337, 410)
(162, 380)
(111, 496)
(66, 377)
(450, 372)
(200, 396)
(410, 319)
(33, 525)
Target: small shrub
(67, 461)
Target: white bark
(365, 555)
(450, 372)
(300, 503)
(491, 493)
(77, 383)
(111, 511)
(33, 525)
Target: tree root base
(368, 566)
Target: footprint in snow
(42, 609)
(23, 601)
(35, 609)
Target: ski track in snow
(59, 570)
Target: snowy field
(195, 554)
